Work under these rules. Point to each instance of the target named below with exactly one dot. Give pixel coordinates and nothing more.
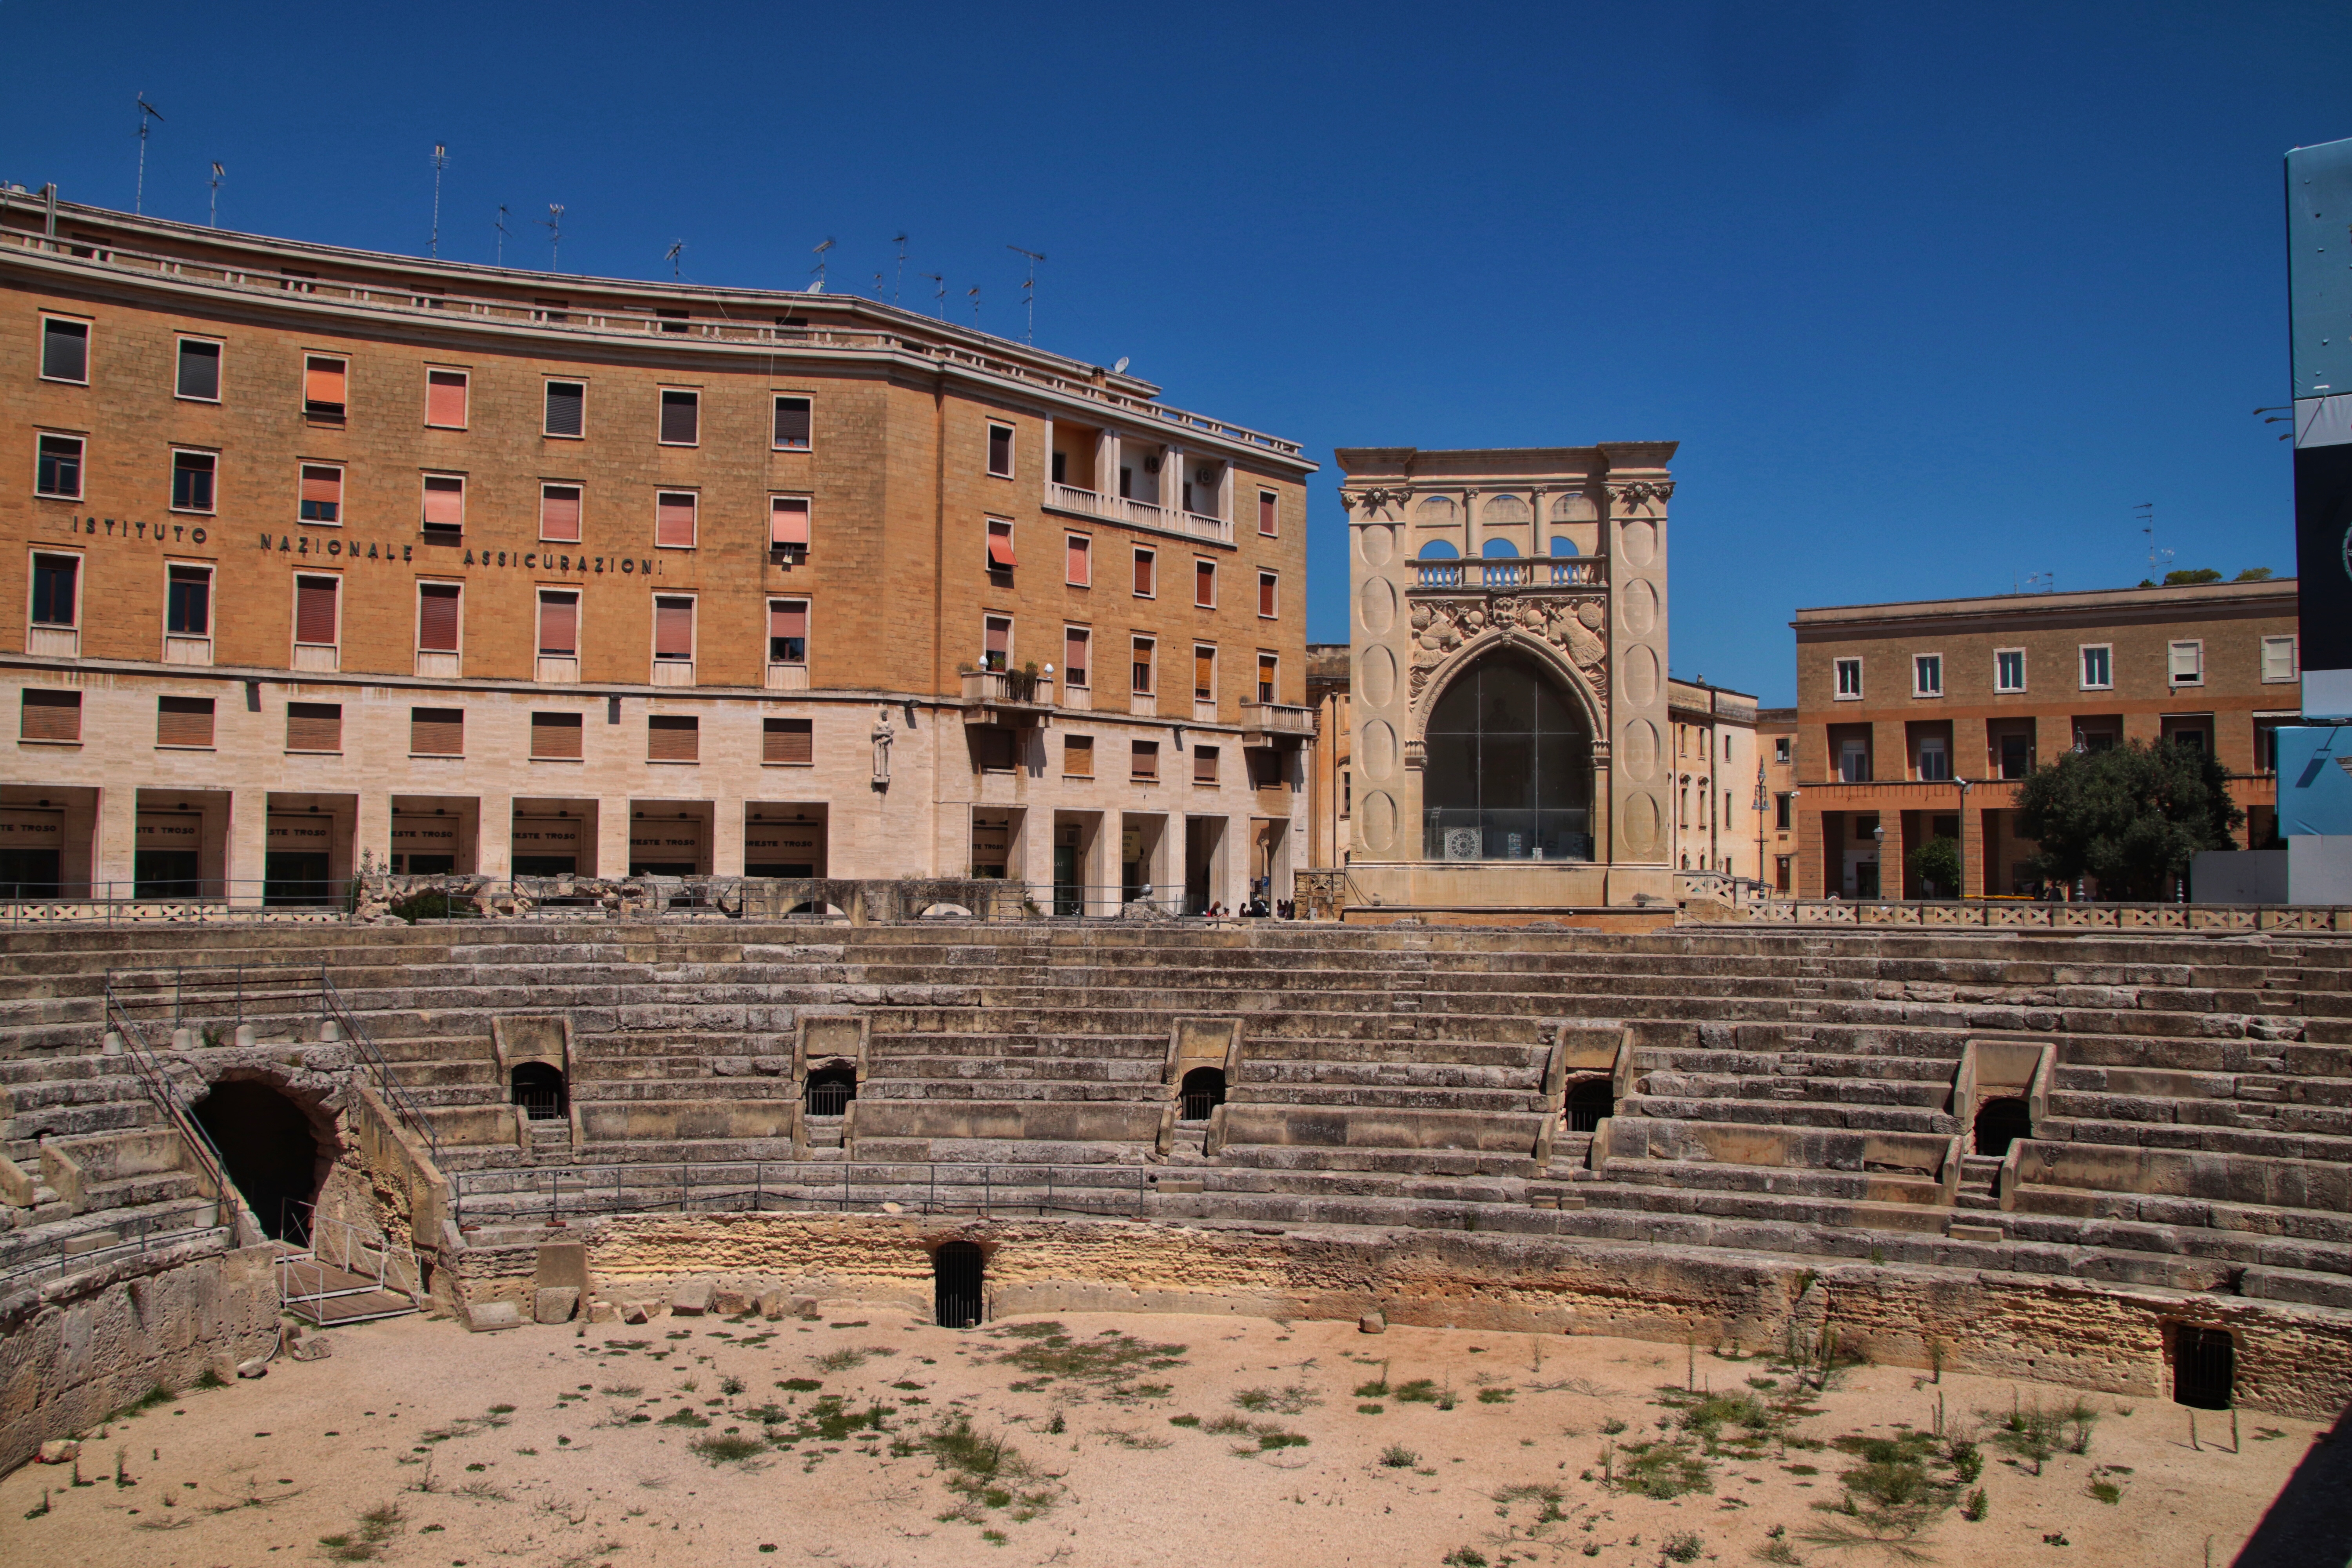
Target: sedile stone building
(1508, 622)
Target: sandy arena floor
(419, 1444)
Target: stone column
(727, 837)
(1642, 805)
(242, 864)
(494, 836)
(112, 851)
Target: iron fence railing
(330, 1259)
(149, 1069)
(538, 1194)
(198, 901)
(143, 1234)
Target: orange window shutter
(314, 610)
(559, 512)
(673, 628)
(1266, 595)
(322, 381)
(436, 617)
(1204, 671)
(445, 502)
(559, 625)
(445, 398)
(1000, 547)
(1205, 582)
(674, 519)
(788, 618)
(1074, 658)
(322, 484)
(1143, 571)
(1000, 636)
(1081, 572)
(788, 521)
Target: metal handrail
(729, 1186)
(52, 1254)
(150, 1069)
(333, 1006)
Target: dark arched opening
(831, 1088)
(1203, 1090)
(2001, 1123)
(2204, 1368)
(537, 1088)
(270, 1150)
(1509, 768)
(958, 1273)
(1587, 1102)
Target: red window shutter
(555, 735)
(788, 521)
(788, 618)
(50, 715)
(673, 628)
(787, 741)
(1074, 645)
(184, 720)
(674, 518)
(1000, 546)
(322, 381)
(445, 502)
(672, 738)
(559, 625)
(1265, 594)
(559, 514)
(1204, 584)
(999, 637)
(1081, 572)
(314, 726)
(314, 610)
(322, 485)
(445, 398)
(436, 731)
(436, 617)
(1266, 511)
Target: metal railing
(335, 1009)
(336, 1261)
(539, 1195)
(149, 1068)
(197, 900)
(2005, 914)
(150, 1233)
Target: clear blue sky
(1931, 296)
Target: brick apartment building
(1714, 748)
(1916, 720)
(323, 552)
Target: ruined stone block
(554, 1303)
(690, 1299)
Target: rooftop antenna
(877, 284)
(899, 239)
(974, 292)
(217, 174)
(501, 226)
(677, 248)
(1029, 291)
(2156, 559)
(553, 224)
(147, 111)
(818, 287)
(2277, 416)
(941, 295)
(440, 162)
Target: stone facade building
(1508, 613)
(1714, 747)
(323, 552)
(1916, 720)
(1330, 794)
(1776, 822)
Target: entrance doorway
(2001, 1123)
(958, 1276)
(2204, 1368)
(272, 1155)
(537, 1088)
(1590, 1103)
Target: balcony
(1543, 572)
(1007, 696)
(1138, 514)
(1272, 723)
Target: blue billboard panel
(2319, 302)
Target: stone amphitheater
(2113, 1160)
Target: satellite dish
(1120, 368)
(817, 287)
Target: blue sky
(1933, 297)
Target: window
(1268, 514)
(2266, 741)
(556, 737)
(788, 631)
(793, 425)
(674, 519)
(1927, 675)
(1078, 756)
(1204, 673)
(672, 738)
(1849, 679)
(1205, 765)
(445, 507)
(445, 399)
(199, 371)
(436, 731)
(49, 715)
(323, 492)
(1263, 764)
(317, 608)
(2016, 755)
(788, 523)
(1854, 761)
(2008, 669)
(56, 581)
(673, 628)
(437, 617)
(1000, 545)
(1078, 561)
(1268, 666)
(188, 601)
(1347, 791)
(1077, 642)
(1146, 564)
(994, 751)
(2278, 659)
(672, 320)
(559, 623)
(193, 474)
(1204, 585)
(1268, 592)
(788, 741)
(995, 642)
(1781, 812)
(183, 721)
(2098, 666)
(2185, 663)
(65, 350)
(1780, 868)
(1000, 450)
(314, 726)
(58, 471)
(559, 514)
(1141, 675)
(1781, 749)
(681, 419)
(324, 380)
(567, 409)
(1934, 760)
(1143, 762)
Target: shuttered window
(1143, 761)
(672, 738)
(314, 610)
(559, 514)
(437, 606)
(787, 741)
(1204, 584)
(184, 720)
(567, 407)
(314, 726)
(1000, 546)
(445, 502)
(1268, 588)
(993, 748)
(1076, 644)
(559, 623)
(1267, 511)
(1144, 561)
(788, 631)
(556, 736)
(436, 731)
(1204, 764)
(996, 642)
(322, 387)
(2278, 659)
(2185, 662)
(1205, 674)
(1079, 568)
(445, 398)
(788, 521)
(1000, 450)
(681, 419)
(1268, 667)
(792, 430)
(673, 628)
(1141, 672)
(323, 492)
(49, 715)
(674, 519)
(1078, 756)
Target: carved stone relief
(1441, 628)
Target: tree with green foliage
(1937, 864)
(2129, 816)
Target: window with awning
(788, 631)
(788, 521)
(1000, 546)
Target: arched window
(1203, 1090)
(1562, 545)
(831, 1088)
(1499, 549)
(959, 1276)
(537, 1088)
(2001, 1123)
(1509, 769)
(1587, 1102)
(1439, 550)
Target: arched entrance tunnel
(270, 1150)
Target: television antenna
(2278, 416)
(1029, 290)
(941, 294)
(677, 249)
(2157, 560)
(440, 162)
(553, 224)
(974, 293)
(501, 226)
(899, 239)
(218, 174)
(818, 287)
(147, 111)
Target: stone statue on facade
(883, 735)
